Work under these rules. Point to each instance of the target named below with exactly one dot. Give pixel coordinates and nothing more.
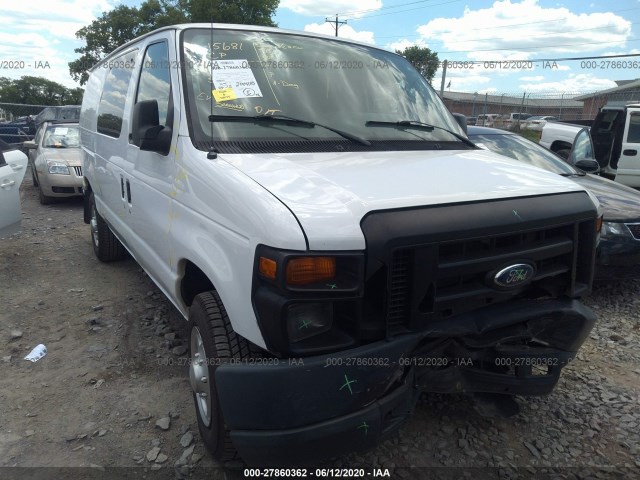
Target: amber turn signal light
(306, 270)
(268, 267)
(599, 224)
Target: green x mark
(365, 426)
(347, 383)
(332, 285)
(305, 324)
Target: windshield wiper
(420, 125)
(287, 119)
(575, 174)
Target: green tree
(118, 26)
(423, 59)
(29, 90)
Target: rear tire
(564, 153)
(105, 244)
(213, 342)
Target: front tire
(105, 244)
(34, 177)
(213, 342)
(44, 200)
(564, 153)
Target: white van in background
(336, 243)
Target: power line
(356, 12)
(551, 60)
(537, 47)
(492, 27)
(407, 10)
(545, 34)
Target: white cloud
(522, 29)
(345, 31)
(404, 43)
(581, 82)
(346, 8)
(44, 32)
(533, 78)
(58, 17)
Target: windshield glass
(328, 82)
(526, 151)
(61, 136)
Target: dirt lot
(111, 372)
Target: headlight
(58, 168)
(611, 229)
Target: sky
(503, 46)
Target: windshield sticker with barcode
(234, 75)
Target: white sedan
(537, 122)
(13, 165)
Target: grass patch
(531, 135)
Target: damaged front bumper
(285, 412)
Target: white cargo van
(335, 242)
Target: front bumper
(618, 257)
(288, 412)
(60, 185)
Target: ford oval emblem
(514, 275)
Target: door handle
(8, 184)
(16, 167)
(630, 153)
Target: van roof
(229, 26)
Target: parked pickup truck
(306, 221)
(616, 141)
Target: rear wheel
(564, 153)
(105, 244)
(213, 342)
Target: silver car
(55, 161)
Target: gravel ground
(112, 393)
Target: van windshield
(356, 90)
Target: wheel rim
(199, 376)
(94, 226)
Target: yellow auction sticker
(224, 94)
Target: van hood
(330, 193)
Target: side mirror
(462, 121)
(147, 133)
(588, 165)
(29, 144)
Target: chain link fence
(513, 110)
(18, 122)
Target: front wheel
(44, 199)
(212, 342)
(105, 244)
(34, 177)
(564, 153)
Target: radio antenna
(213, 154)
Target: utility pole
(336, 22)
(444, 75)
